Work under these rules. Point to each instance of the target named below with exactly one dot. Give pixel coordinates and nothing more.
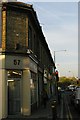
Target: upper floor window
(30, 38)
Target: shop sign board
(45, 73)
(13, 62)
(20, 62)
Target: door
(14, 96)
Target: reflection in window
(14, 74)
(33, 87)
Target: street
(68, 111)
(65, 111)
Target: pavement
(48, 113)
(51, 112)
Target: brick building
(26, 64)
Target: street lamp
(57, 77)
(57, 51)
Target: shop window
(17, 46)
(33, 86)
(30, 38)
(14, 74)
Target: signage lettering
(16, 62)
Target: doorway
(14, 94)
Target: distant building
(26, 64)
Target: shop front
(19, 81)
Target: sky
(59, 22)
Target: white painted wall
(0, 90)
(3, 94)
(26, 96)
(0, 24)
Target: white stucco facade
(3, 88)
(0, 24)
